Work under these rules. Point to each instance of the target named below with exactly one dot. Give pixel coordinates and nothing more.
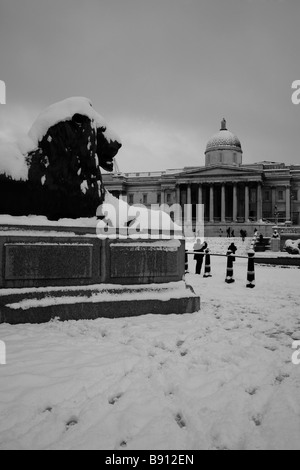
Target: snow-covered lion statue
(292, 247)
(56, 170)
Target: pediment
(219, 171)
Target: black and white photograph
(149, 227)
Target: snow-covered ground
(221, 378)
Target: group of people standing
(201, 249)
(231, 233)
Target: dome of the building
(224, 140)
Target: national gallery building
(233, 193)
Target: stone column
(200, 194)
(189, 204)
(178, 214)
(212, 204)
(247, 202)
(235, 203)
(273, 200)
(288, 203)
(259, 203)
(200, 214)
(178, 195)
(223, 204)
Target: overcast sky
(163, 73)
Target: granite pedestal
(54, 274)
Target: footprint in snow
(271, 348)
(180, 421)
(49, 409)
(115, 399)
(71, 423)
(257, 420)
(281, 378)
(252, 391)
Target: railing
(215, 254)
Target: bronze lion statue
(71, 143)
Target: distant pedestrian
(229, 232)
(233, 234)
(199, 250)
(221, 233)
(243, 235)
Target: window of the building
(159, 199)
(221, 157)
(294, 195)
(145, 199)
(280, 195)
(131, 198)
(169, 198)
(267, 196)
(235, 158)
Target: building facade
(232, 193)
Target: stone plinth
(45, 276)
(45, 261)
(144, 262)
(41, 261)
(275, 245)
(93, 302)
